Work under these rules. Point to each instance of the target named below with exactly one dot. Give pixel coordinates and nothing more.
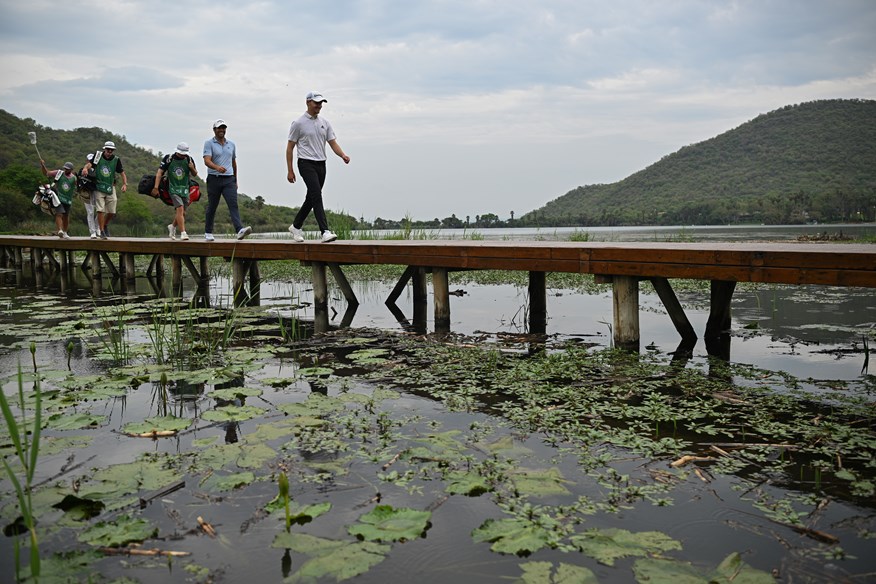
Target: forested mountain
(814, 161)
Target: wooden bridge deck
(622, 263)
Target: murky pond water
(480, 456)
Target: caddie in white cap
(106, 166)
(179, 168)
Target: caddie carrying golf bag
(144, 187)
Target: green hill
(814, 161)
(137, 214)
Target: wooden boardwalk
(622, 264)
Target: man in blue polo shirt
(220, 157)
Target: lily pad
(385, 523)
(122, 531)
(539, 482)
(512, 536)
(232, 393)
(369, 356)
(157, 424)
(299, 514)
(608, 545)
(232, 413)
(666, 571)
(74, 421)
(467, 483)
(544, 573)
(218, 482)
(315, 405)
(330, 559)
(315, 371)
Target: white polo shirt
(310, 135)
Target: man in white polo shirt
(310, 133)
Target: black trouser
(312, 172)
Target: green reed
(27, 449)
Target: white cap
(109, 144)
(182, 148)
(218, 123)
(315, 96)
(90, 156)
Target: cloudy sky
(445, 107)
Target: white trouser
(89, 214)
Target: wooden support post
(441, 293)
(719, 311)
(255, 284)
(62, 258)
(238, 280)
(49, 256)
(320, 286)
(95, 265)
(205, 270)
(343, 284)
(673, 308)
(109, 262)
(625, 296)
(400, 286)
(420, 287)
(193, 271)
(175, 274)
(18, 257)
(127, 261)
(537, 303)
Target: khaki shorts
(105, 202)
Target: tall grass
(113, 333)
(179, 338)
(27, 449)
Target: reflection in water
(822, 322)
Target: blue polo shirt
(222, 155)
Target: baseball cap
(182, 148)
(315, 96)
(109, 144)
(219, 123)
(90, 156)
(68, 165)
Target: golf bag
(46, 199)
(144, 187)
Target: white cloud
(445, 106)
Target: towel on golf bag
(144, 187)
(46, 199)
